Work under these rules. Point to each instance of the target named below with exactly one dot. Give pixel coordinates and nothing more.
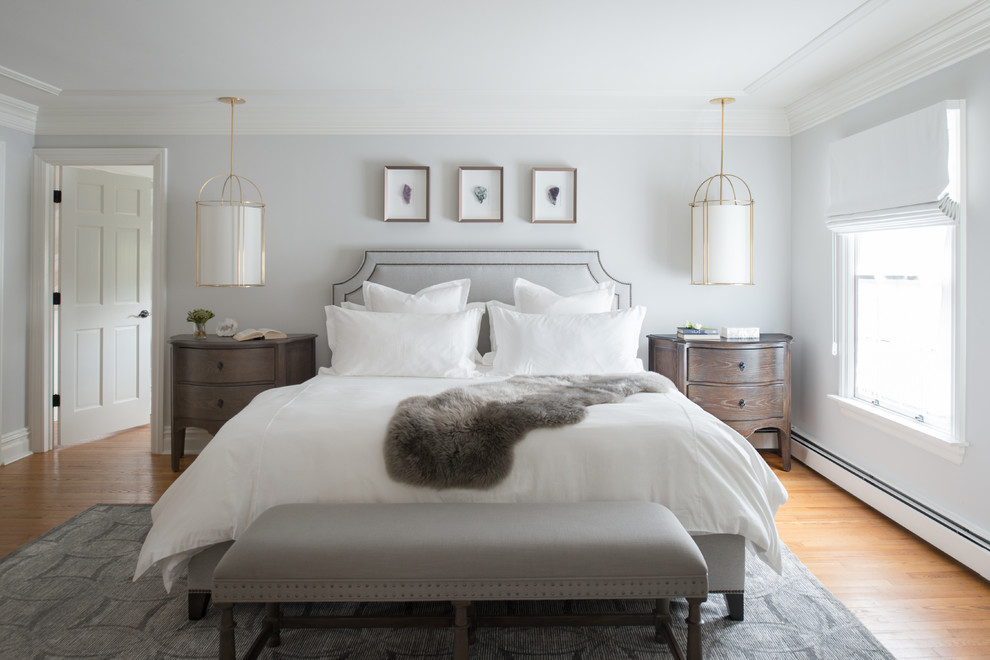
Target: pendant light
(722, 225)
(230, 230)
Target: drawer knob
(742, 366)
(219, 366)
(742, 403)
(219, 403)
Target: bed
(322, 441)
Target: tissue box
(741, 333)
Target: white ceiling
(460, 66)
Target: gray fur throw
(464, 437)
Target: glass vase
(200, 332)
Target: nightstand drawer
(195, 365)
(740, 403)
(736, 365)
(212, 402)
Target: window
(899, 311)
(902, 322)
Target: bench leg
(661, 618)
(472, 623)
(462, 641)
(198, 602)
(275, 619)
(227, 649)
(694, 629)
(736, 603)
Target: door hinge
(56, 298)
(57, 196)
(56, 400)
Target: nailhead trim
(248, 590)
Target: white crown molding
(607, 119)
(840, 26)
(29, 81)
(17, 114)
(960, 36)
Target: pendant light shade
(722, 226)
(230, 227)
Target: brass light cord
(232, 100)
(721, 151)
(721, 146)
(232, 145)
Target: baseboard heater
(919, 507)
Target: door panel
(128, 266)
(89, 368)
(105, 347)
(89, 265)
(126, 377)
(88, 197)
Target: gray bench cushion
(471, 551)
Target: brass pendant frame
(732, 183)
(226, 198)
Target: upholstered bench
(461, 553)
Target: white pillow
(346, 305)
(361, 308)
(492, 341)
(568, 343)
(535, 299)
(390, 344)
(444, 298)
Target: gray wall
(960, 490)
(324, 209)
(13, 335)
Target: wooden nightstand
(746, 383)
(213, 378)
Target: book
(697, 333)
(741, 333)
(701, 337)
(260, 333)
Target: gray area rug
(69, 594)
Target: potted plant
(199, 317)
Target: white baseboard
(196, 440)
(14, 446)
(960, 539)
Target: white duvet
(322, 441)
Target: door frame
(40, 385)
(3, 241)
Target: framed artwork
(480, 194)
(407, 194)
(554, 194)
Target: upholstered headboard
(491, 273)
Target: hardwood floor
(44, 490)
(916, 600)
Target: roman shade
(904, 173)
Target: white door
(105, 282)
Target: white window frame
(952, 445)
